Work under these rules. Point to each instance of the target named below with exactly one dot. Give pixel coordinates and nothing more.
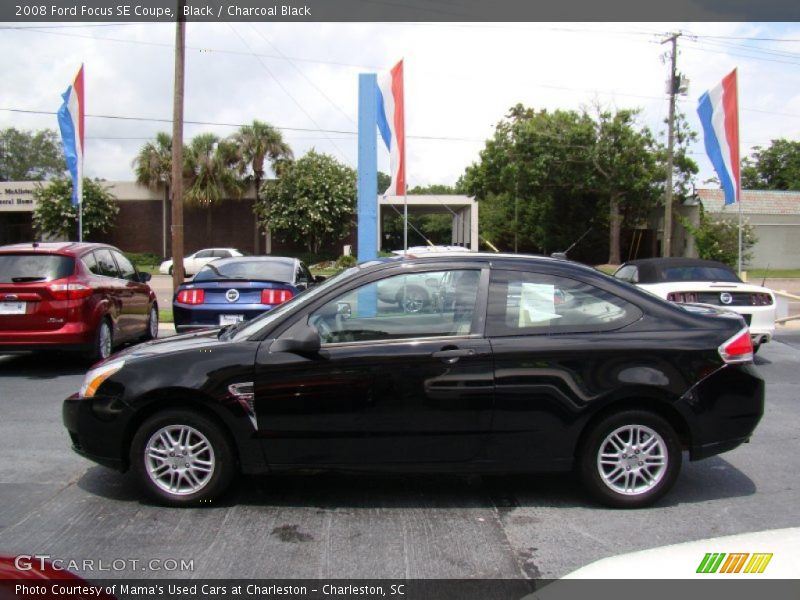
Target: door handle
(452, 355)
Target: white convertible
(705, 282)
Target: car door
(136, 301)
(387, 387)
(114, 289)
(195, 262)
(558, 352)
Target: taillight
(65, 289)
(760, 299)
(682, 296)
(191, 296)
(738, 349)
(275, 296)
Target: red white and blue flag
(719, 115)
(70, 121)
(391, 124)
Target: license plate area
(13, 308)
(230, 319)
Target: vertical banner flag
(391, 124)
(719, 114)
(70, 121)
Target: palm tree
(256, 144)
(213, 180)
(153, 168)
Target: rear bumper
(724, 410)
(72, 336)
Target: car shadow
(42, 365)
(710, 479)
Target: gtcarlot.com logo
(28, 562)
(734, 562)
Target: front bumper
(96, 427)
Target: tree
(534, 180)
(625, 162)
(56, 216)
(773, 168)
(211, 165)
(153, 168)
(30, 156)
(719, 240)
(256, 144)
(312, 201)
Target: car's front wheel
(630, 459)
(182, 458)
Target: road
(360, 526)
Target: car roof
(71, 248)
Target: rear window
(698, 273)
(252, 269)
(19, 268)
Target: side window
(522, 303)
(629, 274)
(90, 262)
(414, 305)
(126, 269)
(105, 263)
(301, 275)
(204, 254)
(221, 254)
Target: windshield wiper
(28, 279)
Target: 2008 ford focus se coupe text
(520, 364)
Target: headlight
(95, 377)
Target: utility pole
(177, 150)
(673, 85)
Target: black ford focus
(518, 364)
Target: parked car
(72, 296)
(537, 364)
(230, 290)
(194, 262)
(706, 282)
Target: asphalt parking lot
(319, 525)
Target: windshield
(263, 270)
(248, 328)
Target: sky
(460, 80)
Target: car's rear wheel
(152, 324)
(182, 458)
(103, 343)
(630, 459)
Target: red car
(72, 296)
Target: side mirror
(144, 277)
(343, 310)
(319, 278)
(305, 342)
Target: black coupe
(524, 364)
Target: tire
(103, 344)
(170, 271)
(629, 477)
(414, 301)
(165, 476)
(152, 325)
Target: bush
(719, 240)
(143, 259)
(345, 262)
